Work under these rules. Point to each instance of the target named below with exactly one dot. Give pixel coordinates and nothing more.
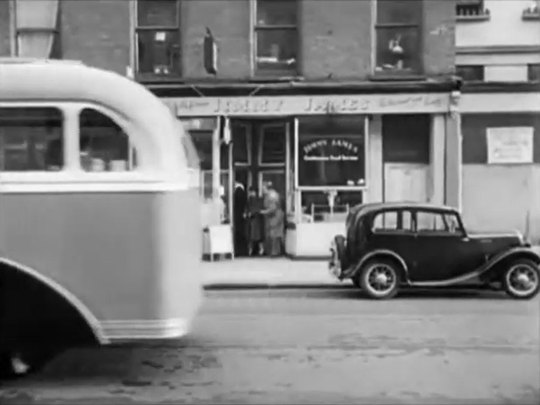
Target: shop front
(323, 155)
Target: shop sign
(510, 145)
(334, 150)
(301, 105)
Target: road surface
(315, 347)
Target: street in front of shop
(314, 346)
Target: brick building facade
(367, 82)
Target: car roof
(363, 209)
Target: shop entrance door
(261, 153)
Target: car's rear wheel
(521, 279)
(380, 279)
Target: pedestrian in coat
(255, 223)
(274, 223)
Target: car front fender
(380, 253)
(520, 252)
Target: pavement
(314, 346)
(267, 273)
(271, 273)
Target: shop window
(104, 145)
(398, 42)
(31, 139)
(241, 144)
(328, 206)
(471, 10)
(37, 29)
(406, 138)
(533, 72)
(276, 43)
(470, 73)
(158, 38)
(331, 152)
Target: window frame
(419, 56)
(137, 28)
(35, 174)
(477, 7)
(459, 232)
(530, 69)
(482, 76)
(399, 221)
(256, 27)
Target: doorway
(261, 152)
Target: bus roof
(30, 79)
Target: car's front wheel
(521, 279)
(380, 279)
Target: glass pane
(276, 12)
(104, 145)
(398, 49)
(203, 144)
(190, 151)
(157, 13)
(277, 178)
(273, 144)
(386, 221)
(429, 221)
(399, 11)
(326, 160)
(276, 51)
(158, 52)
(240, 143)
(31, 139)
(470, 73)
(316, 207)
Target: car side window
(427, 221)
(388, 221)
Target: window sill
(474, 18)
(152, 78)
(393, 76)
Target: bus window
(104, 145)
(31, 139)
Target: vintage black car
(392, 245)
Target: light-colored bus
(99, 213)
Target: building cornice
(497, 49)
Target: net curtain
(36, 23)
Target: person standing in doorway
(239, 219)
(274, 224)
(255, 223)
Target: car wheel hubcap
(381, 279)
(522, 280)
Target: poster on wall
(509, 145)
(331, 161)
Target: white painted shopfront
(364, 167)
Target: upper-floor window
(37, 29)
(31, 139)
(104, 146)
(470, 73)
(533, 72)
(398, 36)
(276, 38)
(158, 38)
(472, 10)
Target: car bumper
(334, 264)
